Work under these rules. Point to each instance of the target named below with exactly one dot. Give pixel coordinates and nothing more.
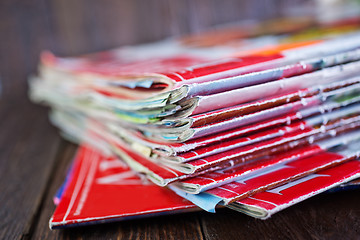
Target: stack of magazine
(255, 124)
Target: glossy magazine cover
(103, 189)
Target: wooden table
(34, 159)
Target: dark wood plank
(65, 154)
(28, 146)
(25, 31)
(181, 226)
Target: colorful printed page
(163, 174)
(175, 151)
(268, 146)
(104, 75)
(334, 93)
(209, 96)
(284, 174)
(181, 128)
(281, 173)
(102, 189)
(188, 65)
(209, 180)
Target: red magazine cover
(194, 68)
(102, 189)
(278, 175)
(209, 180)
(181, 128)
(237, 155)
(264, 204)
(272, 189)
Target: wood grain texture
(25, 31)
(64, 157)
(28, 146)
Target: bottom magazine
(103, 189)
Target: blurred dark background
(69, 27)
